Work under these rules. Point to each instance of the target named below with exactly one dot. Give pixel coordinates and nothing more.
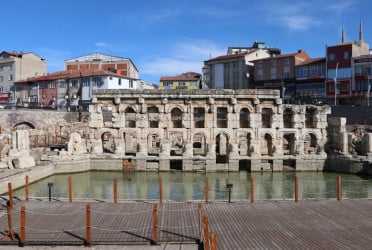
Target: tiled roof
(225, 57)
(70, 74)
(311, 60)
(285, 56)
(188, 76)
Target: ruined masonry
(205, 130)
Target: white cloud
(298, 22)
(102, 44)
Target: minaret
(343, 35)
(360, 31)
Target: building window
(287, 75)
(86, 82)
(130, 84)
(260, 65)
(199, 116)
(176, 118)
(346, 55)
(273, 76)
(119, 81)
(62, 84)
(181, 84)
(1, 78)
(286, 62)
(10, 77)
(273, 64)
(153, 117)
(53, 85)
(75, 83)
(331, 57)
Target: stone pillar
(211, 158)
(343, 143)
(164, 157)
(234, 157)
(367, 144)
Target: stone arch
(176, 117)
(244, 117)
(310, 143)
(289, 145)
(266, 117)
(199, 144)
(222, 148)
(130, 117)
(310, 117)
(24, 125)
(170, 107)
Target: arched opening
(153, 116)
(267, 146)
(222, 148)
(266, 117)
(199, 117)
(108, 143)
(24, 125)
(130, 118)
(221, 117)
(176, 118)
(310, 144)
(198, 144)
(288, 118)
(244, 118)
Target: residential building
(188, 80)
(67, 88)
(97, 61)
(361, 82)
(278, 72)
(15, 66)
(235, 69)
(310, 81)
(339, 68)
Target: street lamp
(335, 80)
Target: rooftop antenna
(360, 31)
(343, 35)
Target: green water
(180, 186)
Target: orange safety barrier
(252, 189)
(88, 236)
(69, 189)
(27, 188)
(160, 190)
(155, 224)
(206, 190)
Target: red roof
(311, 60)
(225, 57)
(70, 74)
(188, 76)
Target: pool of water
(181, 186)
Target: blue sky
(170, 37)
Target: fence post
(206, 190)
(200, 217)
(10, 235)
(10, 191)
(252, 189)
(88, 239)
(296, 189)
(22, 236)
(213, 241)
(160, 190)
(155, 224)
(115, 190)
(338, 188)
(70, 189)
(206, 232)
(27, 188)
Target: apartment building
(188, 80)
(310, 81)
(69, 88)
(235, 69)
(339, 89)
(97, 61)
(15, 66)
(278, 72)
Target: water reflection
(180, 186)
